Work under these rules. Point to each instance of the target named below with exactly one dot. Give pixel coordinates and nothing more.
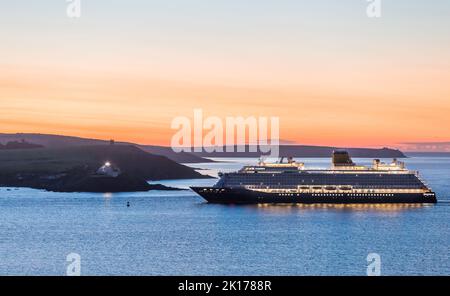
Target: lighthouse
(108, 170)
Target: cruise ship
(344, 183)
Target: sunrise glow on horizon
(332, 75)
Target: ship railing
(423, 182)
(324, 190)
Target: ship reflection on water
(290, 208)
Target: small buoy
(128, 204)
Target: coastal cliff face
(73, 169)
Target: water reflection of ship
(382, 207)
(391, 209)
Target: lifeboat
(345, 188)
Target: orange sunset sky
(126, 69)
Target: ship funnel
(342, 158)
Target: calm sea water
(176, 233)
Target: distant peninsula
(299, 151)
(302, 151)
(76, 169)
(61, 141)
